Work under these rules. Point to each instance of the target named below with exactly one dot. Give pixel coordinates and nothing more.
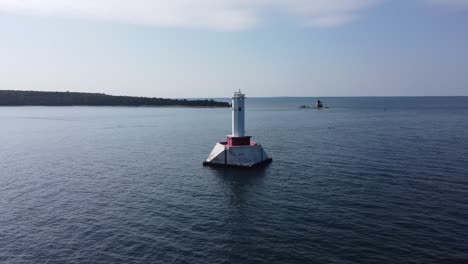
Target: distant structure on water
(238, 150)
(319, 105)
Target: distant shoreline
(44, 98)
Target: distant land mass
(39, 98)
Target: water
(370, 180)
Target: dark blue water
(370, 180)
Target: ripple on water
(126, 185)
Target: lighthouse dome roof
(238, 94)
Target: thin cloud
(330, 20)
(461, 4)
(326, 13)
(226, 15)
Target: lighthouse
(238, 116)
(238, 150)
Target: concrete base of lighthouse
(237, 152)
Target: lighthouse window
(240, 108)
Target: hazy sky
(208, 48)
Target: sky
(209, 48)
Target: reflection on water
(244, 189)
(239, 182)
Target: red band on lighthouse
(238, 141)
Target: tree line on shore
(23, 98)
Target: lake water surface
(369, 180)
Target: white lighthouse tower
(238, 150)
(238, 116)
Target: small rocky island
(23, 98)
